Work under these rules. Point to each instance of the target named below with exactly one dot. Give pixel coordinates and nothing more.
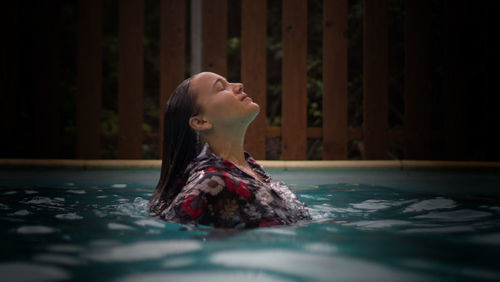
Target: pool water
(368, 225)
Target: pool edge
(132, 163)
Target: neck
(228, 144)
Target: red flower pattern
(267, 223)
(192, 207)
(211, 169)
(241, 188)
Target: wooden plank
(89, 72)
(294, 80)
(214, 54)
(196, 36)
(253, 70)
(130, 78)
(9, 107)
(375, 80)
(334, 80)
(455, 19)
(48, 110)
(417, 80)
(172, 53)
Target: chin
(254, 111)
(256, 106)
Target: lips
(243, 97)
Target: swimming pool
(370, 224)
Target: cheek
(223, 107)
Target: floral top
(219, 194)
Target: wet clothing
(219, 194)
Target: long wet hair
(180, 146)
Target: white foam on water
(457, 215)
(122, 200)
(150, 222)
(490, 239)
(446, 229)
(276, 230)
(63, 248)
(35, 229)
(57, 259)
(375, 205)
(320, 248)
(9, 193)
(118, 226)
(39, 200)
(59, 199)
(143, 250)
(119, 185)
(102, 197)
(207, 276)
(100, 213)
(76, 191)
(104, 243)
(138, 208)
(4, 207)
(311, 267)
(20, 213)
(29, 192)
(432, 204)
(495, 209)
(69, 184)
(178, 262)
(20, 271)
(69, 216)
(375, 224)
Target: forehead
(204, 80)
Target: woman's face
(222, 104)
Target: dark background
(470, 47)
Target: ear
(199, 123)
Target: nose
(238, 87)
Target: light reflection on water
(358, 233)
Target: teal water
(368, 225)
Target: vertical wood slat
(172, 53)
(89, 71)
(294, 73)
(196, 35)
(130, 78)
(417, 79)
(8, 79)
(454, 82)
(253, 70)
(214, 33)
(334, 80)
(48, 117)
(375, 80)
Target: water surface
(93, 225)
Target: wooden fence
(294, 132)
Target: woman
(206, 176)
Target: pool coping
(134, 163)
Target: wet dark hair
(180, 146)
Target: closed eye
(220, 86)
